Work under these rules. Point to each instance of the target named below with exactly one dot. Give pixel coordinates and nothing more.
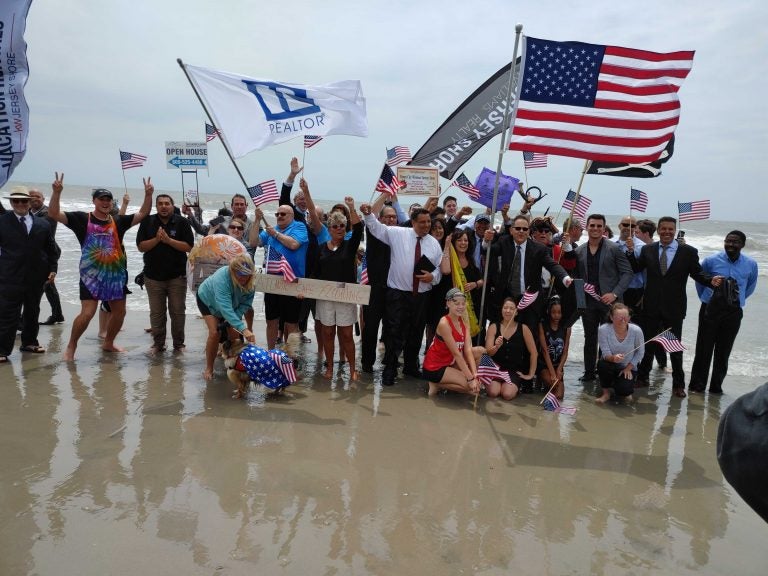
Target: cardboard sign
(317, 289)
(420, 180)
(189, 155)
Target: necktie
(515, 279)
(416, 258)
(23, 221)
(663, 260)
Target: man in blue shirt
(719, 322)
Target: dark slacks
(373, 315)
(591, 318)
(12, 298)
(52, 295)
(653, 325)
(714, 342)
(610, 374)
(406, 319)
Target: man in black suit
(37, 207)
(667, 264)
(515, 267)
(28, 259)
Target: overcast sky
(104, 77)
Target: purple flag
(484, 183)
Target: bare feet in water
(604, 398)
(328, 373)
(207, 374)
(69, 354)
(433, 389)
(112, 348)
(354, 375)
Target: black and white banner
(645, 170)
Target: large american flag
(696, 210)
(534, 159)
(638, 200)
(488, 371)
(310, 141)
(604, 103)
(131, 160)
(669, 341)
(466, 186)
(264, 192)
(364, 269)
(582, 205)
(398, 155)
(210, 132)
(388, 182)
(277, 264)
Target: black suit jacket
(665, 296)
(26, 259)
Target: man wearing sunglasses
(28, 259)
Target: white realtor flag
(14, 71)
(253, 113)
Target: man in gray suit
(603, 265)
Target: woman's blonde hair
(242, 265)
(337, 217)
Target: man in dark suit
(602, 264)
(667, 264)
(28, 259)
(515, 267)
(37, 207)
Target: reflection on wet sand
(130, 465)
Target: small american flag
(696, 210)
(527, 299)
(398, 155)
(388, 182)
(364, 270)
(210, 132)
(277, 264)
(581, 206)
(638, 200)
(534, 160)
(310, 141)
(264, 192)
(669, 341)
(488, 371)
(590, 289)
(131, 160)
(552, 404)
(466, 186)
(285, 364)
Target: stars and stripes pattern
(590, 289)
(388, 182)
(277, 264)
(210, 132)
(364, 269)
(131, 160)
(398, 155)
(638, 200)
(488, 371)
(696, 210)
(669, 341)
(582, 204)
(264, 192)
(605, 103)
(271, 368)
(552, 404)
(284, 363)
(534, 159)
(466, 186)
(527, 299)
(310, 141)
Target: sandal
(3, 359)
(679, 392)
(34, 348)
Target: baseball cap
(483, 218)
(101, 193)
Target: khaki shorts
(335, 313)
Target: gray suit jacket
(614, 270)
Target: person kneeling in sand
(621, 349)
(450, 362)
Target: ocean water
(749, 359)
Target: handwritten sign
(420, 180)
(317, 289)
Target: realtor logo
(281, 102)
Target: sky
(104, 77)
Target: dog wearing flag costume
(272, 369)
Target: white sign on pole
(188, 155)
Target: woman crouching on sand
(621, 349)
(450, 362)
(512, 347)
(227, 295)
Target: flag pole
(649, 340)
(502, 146)
(125, 184)
(208, 114)
(550, 390)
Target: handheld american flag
(210, 132)
(669, 341)
(264, 192)
(590, 289)
(131, 160)
(534, 160)
(638, 200)
(488, 371)
(310, 141)
(388, 182)
(527, 299)
(277, 264)
(364, 270)
(696, 210)
(466, 186)
(398, 155)
(582, 204)
(552, 404)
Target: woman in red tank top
(450, 360)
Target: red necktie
(416, 259)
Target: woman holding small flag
(512, 347)
(621, 350)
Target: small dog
(272, 369)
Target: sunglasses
(278, 214)
(19, 200)
(623, 225)
(520, 229)
(337, 226)
(236, 228)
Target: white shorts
(335, 313)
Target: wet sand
(121, 464)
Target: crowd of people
(473, 290)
